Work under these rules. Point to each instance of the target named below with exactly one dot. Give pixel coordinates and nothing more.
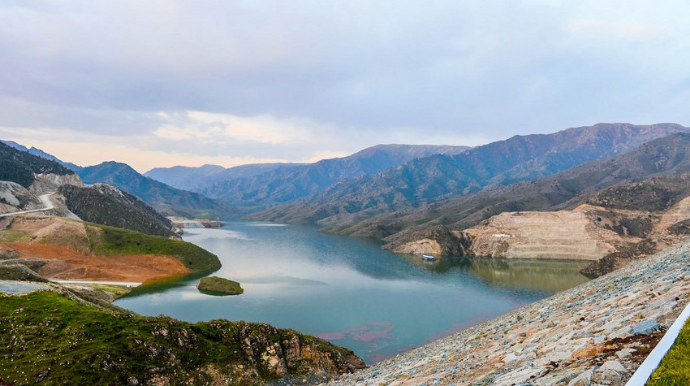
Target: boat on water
(428, 258)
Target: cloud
(141, 152)
(279, 80)
(210, 127)
(603, 29)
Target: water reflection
(350, 291)
(545, 275)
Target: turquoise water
(350, 291)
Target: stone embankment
(595, 334)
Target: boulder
(647, 327)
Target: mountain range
(193, 178)
(165, 199)
(586, 183)
(424, 181)
(392, 191)
(256, 187)
(24, 176)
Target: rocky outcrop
(15, 198)
(48, 183)
(438, 241)
(19, 272)
(594, 334)
(620, 259)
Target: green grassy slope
(113, 241)
(48, 339)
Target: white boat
(428, 258)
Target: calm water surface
(350, 291)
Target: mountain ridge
(564, 190)
(165, 199)
(289, 183)
(107, 205)
(424, 181)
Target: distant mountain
(19, 166)
(183, 177)
(192, 178)
(42, 154)
(424, 181)
(164, 198)
(595, 182)
(106, 205)
(286, 183)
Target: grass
(114, 241)
(674, 369)
(47, 338)
(13, 236)
(218, 286)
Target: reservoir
(350, 291)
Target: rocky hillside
(54, 337)
(595, 334)
(25, 177)
(14, 197)
(165, 199)
(565, 190)
(292, 182)
(21, 167)
(424, 181)
(104, 204)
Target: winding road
(45, 199)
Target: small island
(218, 286)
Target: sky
(159, 83)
